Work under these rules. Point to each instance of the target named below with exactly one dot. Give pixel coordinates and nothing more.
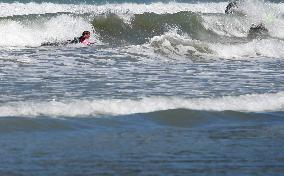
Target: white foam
(63, 27)
(259, 11)
(175, 46)
(254, 12)
(228, 25)
(269, 14)
(16, 8)
(272, 48)
(247, 103)
(10, 9)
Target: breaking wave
(173, 45)
(16, 9)
(141, 27)
(244, 103)
(170, 29)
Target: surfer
(84, 38)
(256, 30)
(231, 7)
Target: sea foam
(60, 28)
(78, 108)
(7, 9)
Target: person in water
(84, 39)
(233, 6)
(255, 31)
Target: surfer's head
(86, 34)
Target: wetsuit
(74, 41)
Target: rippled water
(73, 96)
(39, 74)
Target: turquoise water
(168, 89)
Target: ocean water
(168, 88)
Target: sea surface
(170, 88)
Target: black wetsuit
(74, 41)
(231, 5)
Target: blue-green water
(168, 88)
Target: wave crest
(243, 103)
(141, 27)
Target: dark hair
(85, 33)
(82, 38)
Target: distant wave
(16, 8)
(12, 9)
(76, 108)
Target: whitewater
(168, 88)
